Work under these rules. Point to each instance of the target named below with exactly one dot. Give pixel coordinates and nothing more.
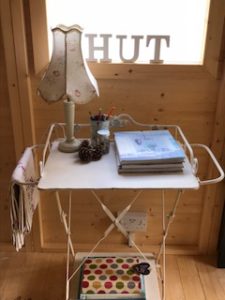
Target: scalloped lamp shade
(68, 78)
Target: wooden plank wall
(7, 152)
(173, 95)
(182, 95)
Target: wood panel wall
(160, 94)
(7, 151)
(185, 97)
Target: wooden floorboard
(210, 279)
(190, 280)
(174, 288)
(41, 276)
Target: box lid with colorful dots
(111, 278)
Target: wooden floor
(41, 276)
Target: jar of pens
(100, 129)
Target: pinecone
(84, 143)
(97, 153)
(85, 154)
(88, 153)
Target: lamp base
(69, 146)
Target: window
(127, 23)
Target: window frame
(212, 61)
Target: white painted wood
(104, 48)
(158, 39)
(66, 171)
(136, 39)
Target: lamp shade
(68, 76)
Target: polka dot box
(111, 278)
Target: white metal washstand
(68, 78)
(63, 171)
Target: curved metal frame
(119, 122)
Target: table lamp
(68, 78)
